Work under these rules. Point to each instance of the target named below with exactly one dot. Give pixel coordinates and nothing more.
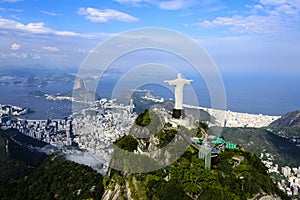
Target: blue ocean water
(44, 109)
(272, 94)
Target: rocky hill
(287, 126)
(291, 119)
(82, 94)
(187, 178)
(260, 140)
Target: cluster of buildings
(268, 160)
(234, 119)
(291, 184)
(9, 110)
(151, 97)
(98, 127)
(290, 177)
(93, 129)
(55, 132)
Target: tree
(143, 119)
(127, 143)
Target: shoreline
(227, 118)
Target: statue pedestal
(177, 113)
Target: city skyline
(241, 36)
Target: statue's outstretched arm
(189, 81)
(171, 82)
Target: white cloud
(13, 55)
(173, 4)
(241, 24)
(37, 28)
(96, 15)
(15, 47)
(274, 2)
(18, 55)
(268, 17)
(50, 13)
(80, 50)
(23, 55)
(36, 56)
(10, 9)
(49, 48)
(11, 1)
(128, 1)
(131, 2)
(162, 4)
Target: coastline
(227, 118)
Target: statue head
(179, 76)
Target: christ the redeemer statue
(179, 83)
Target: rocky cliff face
(112, 194)
(79, 84)
(291, 119)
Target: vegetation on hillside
(24, 177)
(290, 119)
(28, 174)
(165, 137)
(292, 132)
(56, 178)
(187, 178)
(288, 126)
(17, 161)
(143, 119)
(261, 140)
(127, 143)
(146, 124)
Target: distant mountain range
(34, 77)
(34, 82)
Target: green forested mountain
(56, 178)
(17, 160)
(262, 140)
(187, 178)
(26, 174)
(290, 119)
(287, 126)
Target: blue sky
(240, 36)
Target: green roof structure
(218, 141)
(230, 145)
